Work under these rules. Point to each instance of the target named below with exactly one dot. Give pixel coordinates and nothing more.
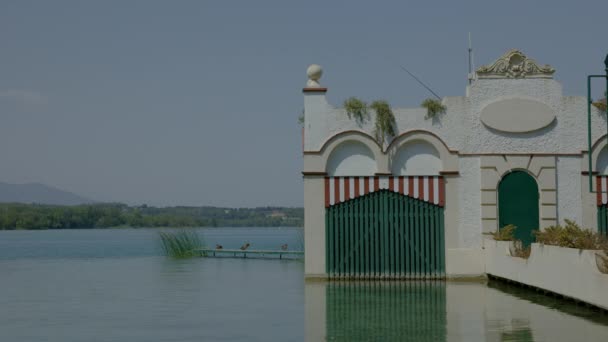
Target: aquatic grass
(299, 245)
(181, 244)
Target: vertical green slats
(348, 232)
(403, 236)
(435, 241)
(431, 257)
(427, 240)
(353, 237)
(366, 236)
(424, 241)
(337, 238)
(386, 234)
(357, 237)
(382, 236)
(410, 239)
(399, 218)
(377, 235)
(387, 242)
(416, 239)
(329, 217)
(372, 239)
(342, 238)
(439, 234)
(442, 243)
(396, 201)
(391, 227)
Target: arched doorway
(518, 205)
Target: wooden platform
(237, 253)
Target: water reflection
(439, 311)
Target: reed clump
(181, 244)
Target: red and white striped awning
(602, 190)
(430, 189)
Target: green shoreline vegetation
(116, 215)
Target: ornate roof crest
(514, 64)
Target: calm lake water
(113, 285)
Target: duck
(218, 246)
(245, 246)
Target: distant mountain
(38, 193)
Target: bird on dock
(284, 247)
(218, 246)
(245, 246)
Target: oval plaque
(517, 115)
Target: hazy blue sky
(196, 102)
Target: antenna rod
(422, 84)
(470, 60)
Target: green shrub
(571, 235)
(433, 107)
(181, 244)
(385, 121)
(505, 233)
(356, 108)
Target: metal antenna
(419, 81)
(471, 63)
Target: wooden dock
(238, 253)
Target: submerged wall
(567, 271)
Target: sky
(196, 102)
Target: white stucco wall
(469, 198)
(461, 128)
(569, 205)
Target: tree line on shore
(38, 216)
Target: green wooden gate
(518, 205)
(385, 235)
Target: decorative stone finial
(514, 64)
(314, 73)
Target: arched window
(351, 158)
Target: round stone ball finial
(314, 73)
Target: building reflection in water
(443, 311)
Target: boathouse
(513, 150)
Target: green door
(518, 204)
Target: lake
(114, 285)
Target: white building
(512, 151)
